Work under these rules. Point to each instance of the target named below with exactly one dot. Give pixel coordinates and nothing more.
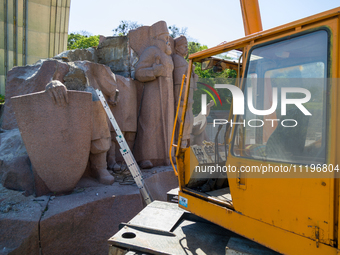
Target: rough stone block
(159, 184)
(15, 166)
(79, 223)
(116, 53)
(82, 223)
(19, 221)
(88, 54)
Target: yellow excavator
(294, 212)
(269, 169)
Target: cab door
(279, 154)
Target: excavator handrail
(175, 122)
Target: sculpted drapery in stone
(155, 70)
(89, 76)
(125, 113)
(180, 68)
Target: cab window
(287, 134)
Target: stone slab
(79, 223)
(157, 185)
(19, 218)
(82, 222)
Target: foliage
(72, 39)
(224, 94)
(81, 41)
(176, 31)
(194, 47)
(211, 78)
(2, 99)
(124, 27)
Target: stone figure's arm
(114, 99)
(109, 88)
(58, 92)
(108, 84)
(149, 67)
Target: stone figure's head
(160, 36)
(181, 45)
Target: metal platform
(163, 228)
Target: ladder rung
(125, 151)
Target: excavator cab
(262, 159)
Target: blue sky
(207, 22)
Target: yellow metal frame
(276, 229)
(278, 239)
(174, 128)
(251, 16)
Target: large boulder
(89, 54)
(116, 53)
(15, 166)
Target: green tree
(210, 77)
(175, 31)
(194, 47)
(72, 39)
(124, 27)
(2, 99)
(81, 41)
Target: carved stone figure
(97, 77)
(78, 75)
(180, 68)
(57, 135)
(100, 134)
(125, 113)
(154, 69)
(200, 123)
